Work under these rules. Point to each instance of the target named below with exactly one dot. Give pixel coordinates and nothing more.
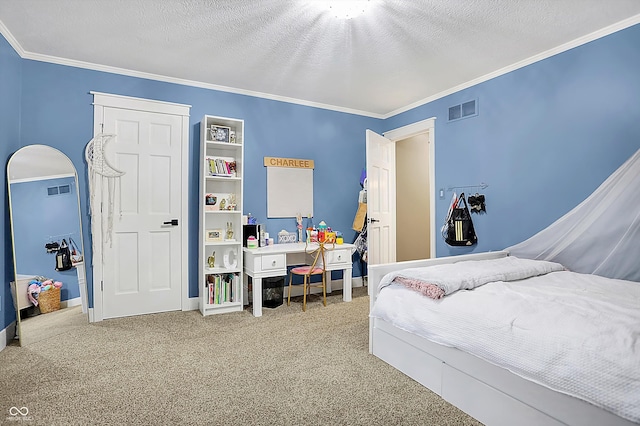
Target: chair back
(319, 255)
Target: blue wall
(10, 65)
(37, 218)
(545, 137)
(57, 107)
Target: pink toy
(31, 290)
(57, 284)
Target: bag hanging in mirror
(459, 229)
(63, 257)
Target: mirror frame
(14, 292)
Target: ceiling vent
(463, 110)
(58, 190)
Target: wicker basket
(49, 300)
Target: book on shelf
(220, 166)
(220, 288)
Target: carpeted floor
(179, 368)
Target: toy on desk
(323, 234)
(310, 227)
(298, 225)
(322, 230)
(339, 238)
(312, 235)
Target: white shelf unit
(221, 174)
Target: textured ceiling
(398, 54)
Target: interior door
(381, 196)
(142, 264)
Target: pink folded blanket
(429, 290)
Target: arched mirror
(49, 289)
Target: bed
(478, 381)
(19, 291)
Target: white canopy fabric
(601, 235)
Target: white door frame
(106, 100)
(425, 126)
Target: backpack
(458, 229)
(63, 257)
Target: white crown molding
(184, 82)
(626, 23)
(131, 73)
(11, 39)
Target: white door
(381, 196)
(142, 265)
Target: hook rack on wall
(59, 237)
(482, 185)
(52, 244)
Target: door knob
(172, 222)
(373, 220)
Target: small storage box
(272, 291)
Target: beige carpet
(179, 368)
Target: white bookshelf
(220, 208)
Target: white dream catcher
(101, 172)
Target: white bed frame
(491, 394)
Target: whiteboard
(289, 192)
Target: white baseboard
(191, 305)
(7, 335)
(70, 303)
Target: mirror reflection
(49, 289)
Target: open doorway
(416, 141)
(412, 198)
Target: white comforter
(575, 333)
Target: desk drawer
(273, 261)
(338, 256)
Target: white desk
(272, 261)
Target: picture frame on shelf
(220, 133)
(214, 235)
(214, 202)
(211, 202)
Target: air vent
(58, 190)
(463, 110)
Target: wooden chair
(317, 267)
